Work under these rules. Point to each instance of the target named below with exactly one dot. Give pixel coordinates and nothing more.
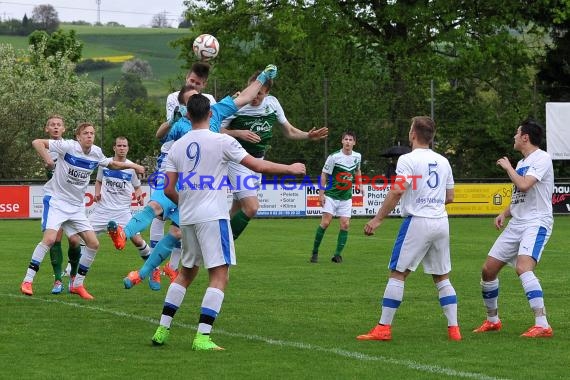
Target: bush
(93, 64)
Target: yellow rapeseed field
(115, 58)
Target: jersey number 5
(433, 177)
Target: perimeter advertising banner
(480, 199)
(362, 204)
(561, 198)
(14, 202)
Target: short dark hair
(424, 127)
(120, 138)
(198, 107)
(184, 89)
(201, 69)
(348, 133)
(268, 83)
(534, 131)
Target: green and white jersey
(341, 169)
(258, 119)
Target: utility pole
(98, 12)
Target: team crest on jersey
(263, 126)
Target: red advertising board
(14, 202)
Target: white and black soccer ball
(206, 47)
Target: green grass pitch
(283, 318)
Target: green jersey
(342, 169)
(259, 120)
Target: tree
(554, 74)
(138, 123)
(128, 91)
(58, 41)
(45, 17)
(137, 67)
(160, 20)
(33, 86)
(114, 24)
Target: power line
(92, 9)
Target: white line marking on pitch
(277, 342)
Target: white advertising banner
(362, 204)
(558, 130)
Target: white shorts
(246, 182)
(337, 207)
(100, 217)
(60, 214)
(422, 240)
(520, 239)
(209, 244)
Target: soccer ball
(206, 47)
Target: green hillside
(149, 44)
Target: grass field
(149, 44)
(282, 316)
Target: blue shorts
(169, 208)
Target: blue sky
(132, 13)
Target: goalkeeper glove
(270, 72)
(178, 113)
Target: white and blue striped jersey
(73, 170)
(429, 175)
(536, 203)
(117, 188)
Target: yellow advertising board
(480, 198)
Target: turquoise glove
(270, 72)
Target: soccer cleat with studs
(379, 332)
(168, 271)
(57, 287)
(81, 292)
(489, 326)
(117, 234)
(132, 279)
(202, 342)
(538, 332)
(453, 333)
(337, 259)
(26, 288)
(160, 336)
(154, 280)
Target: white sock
(37, 258)
(156, 231)
(448, 301)
(533, 292)
(85, 262)
(393, 295)
(172, 301)
(490, 292)
(175, 258)
(211, 306)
